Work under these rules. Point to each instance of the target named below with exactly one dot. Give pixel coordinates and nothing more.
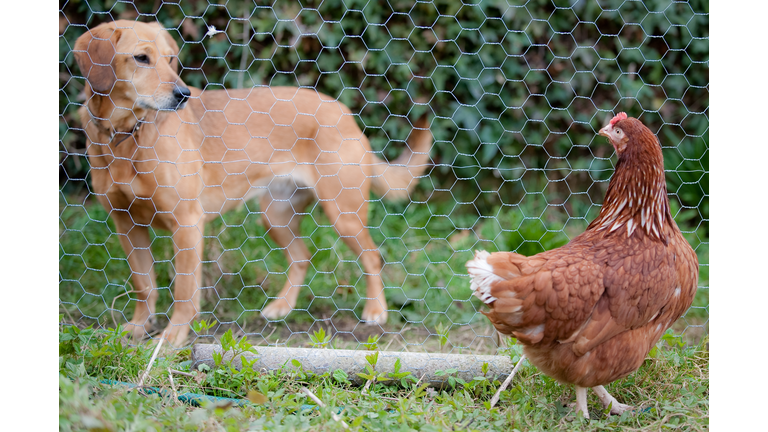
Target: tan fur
(287, 146)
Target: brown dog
(173, 157)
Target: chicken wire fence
(514, 92)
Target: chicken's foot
(607, 400)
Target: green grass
(424, 247)
(671, 390)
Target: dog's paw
(174, 334)
(374, 313)
(140, 328)
(276, 309)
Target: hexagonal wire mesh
(515, 94)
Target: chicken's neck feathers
(636, 199)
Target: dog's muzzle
(181, 95)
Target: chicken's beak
(606, 131)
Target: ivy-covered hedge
(517, 92)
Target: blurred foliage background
(516, 92)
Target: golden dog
(173, 157)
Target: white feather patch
(482, 277)
(621, 205)
(530, 331)
(630, 227)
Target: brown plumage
(589, 312)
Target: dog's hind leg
(281, 214)
(135, 241)
(347, 209)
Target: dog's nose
(181, 93)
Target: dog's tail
(396, 179)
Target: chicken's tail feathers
(482, 277)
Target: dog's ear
(94, 52)
(172, 43)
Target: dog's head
(133, 61)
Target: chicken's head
(615, 133)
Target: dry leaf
(188, 28)
(256, 397)
(199, 377)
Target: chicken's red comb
(618, 117)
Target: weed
(371, 375)
(442, 333)
(320, 339)
(373, 343)
(201, 327)
(405, 378)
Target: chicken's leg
(581, 401)
(607, 400)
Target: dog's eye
(141, 58)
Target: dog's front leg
(188, 248)
(135, 241)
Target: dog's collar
(111, 133)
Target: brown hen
(589, 312)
